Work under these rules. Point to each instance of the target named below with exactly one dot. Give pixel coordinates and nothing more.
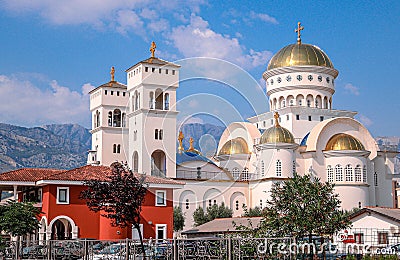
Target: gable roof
(390, 213)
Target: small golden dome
(234, 146)
(299, 55)
(344, 142)
(277, 134)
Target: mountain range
(65, 146)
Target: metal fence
(209, 248)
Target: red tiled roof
(28, 174)
(84, 173)
(90, 172)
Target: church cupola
(300, 75)
(277, 134)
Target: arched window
(245, 174)
(262, 168)
(375, 179)
(117, 118)
(160, 134)
(151, 102)
(135, 161)
(365, 173)
(114, 148)
(235, 173)
(329, 172)
(278, 168)
(339, 172)
(97, 119)
(348, 172)
(357, 173)
(110, 116)
(136, 100)
(123, 120)
(159, 99)
(166, 101)
(119, 148)
(156, 134)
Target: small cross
(298, 30)
(112, 72)
(153, 48)
(276, 116)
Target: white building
(301, 133)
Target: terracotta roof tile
(90, 172)
(28, 174)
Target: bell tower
(109, 125)
(152, 85)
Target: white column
(15, 192)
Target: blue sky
(53, 52)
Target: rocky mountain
(51, 146)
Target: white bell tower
(109, 123)
(152, 85)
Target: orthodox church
(300, 134)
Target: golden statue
(153, 49)
(180, 139)
(298, 30)
(112, 72)
(276, 116)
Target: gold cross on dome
(276, 116)
(112, 72)
(153, 48)
(298, 30)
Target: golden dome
(277, 134)
(234, 146)
(344, 142)
(299, 54)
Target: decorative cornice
(296, 87)
(293, 69)
(341, 153)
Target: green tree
(200, 217)
(118, 197)
(19, 218)
(302, 207)
(179, 219)
(252, 212)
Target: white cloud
(127, 20)
(349, 88)
(365, 120)
(263, 17)
(32, 106)
(193, 103)
(197, 40)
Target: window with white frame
(357, 173)
(329, 170)
(161, 231)
(339, 172)
(135, 232)
(161, 198)
(62, 195)
(348, 172)
(278, 168)
(262, 168)
(365, 173)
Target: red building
(65, 216)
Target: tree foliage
(200, 217)
(252, 212)
(118, 198)
(19, 218)
(303, 206)
(179, 219)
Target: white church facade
(300, 134)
